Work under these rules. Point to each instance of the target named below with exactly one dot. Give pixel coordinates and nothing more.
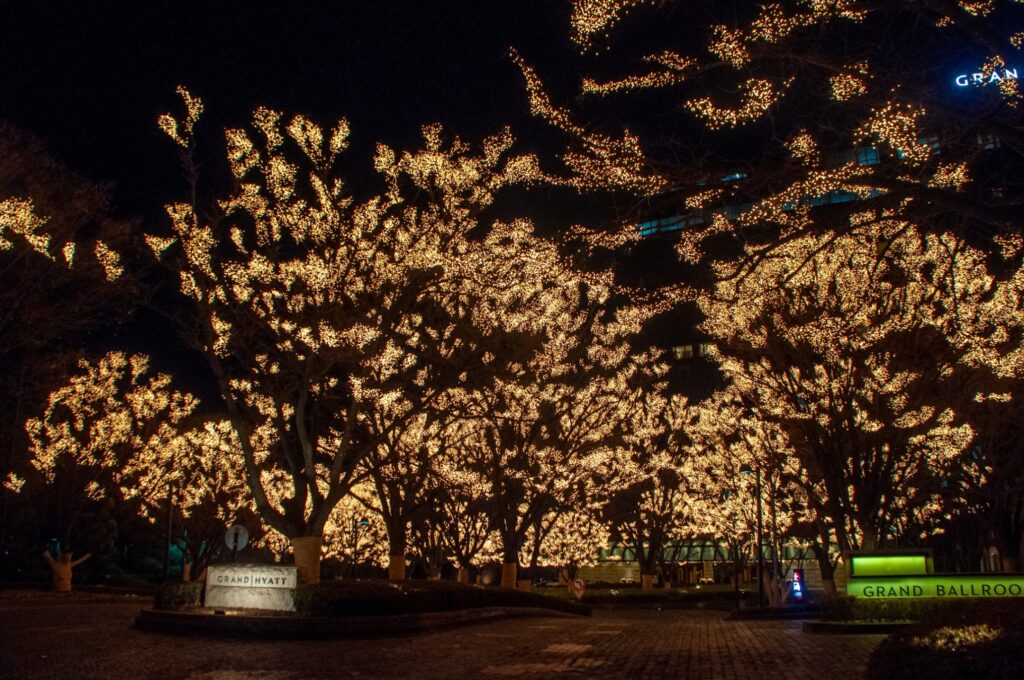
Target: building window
(867, 155)
(988, 140)
(681, 352)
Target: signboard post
(237, 537)
(578, 587)
(797, 587)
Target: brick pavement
(91, 637)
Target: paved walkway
(43, 636)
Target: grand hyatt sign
(937, 585)
(251, 586)
(254, 579)
(997, 76)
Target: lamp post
(170, 527)
(760, 528)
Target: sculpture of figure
(61, 568)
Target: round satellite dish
(236, 537)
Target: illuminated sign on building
(937, 585)
(910, 574)
(965, 79)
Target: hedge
(382, 598)
(859, 609)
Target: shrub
(381, 598)
(980, 639)
(658, 596)
(178, 596)
(859, 609)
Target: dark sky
(90, 77)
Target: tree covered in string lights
(543, 435)
(653, 504)
(310, 307)
(60, 280)
(401, 471)
(199, 471)
(567, 540)
(789, 105)
(810, 157)
(118, 433)
(854, 347)
(731, 445)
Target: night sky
(90, 78)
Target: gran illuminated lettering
(978, 78)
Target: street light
(760, 522)
(170, 528)
(357, 524)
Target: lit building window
(680, 352)
(867, 156)
(683, 352)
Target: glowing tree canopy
(202, 473)
(113, 418)
(654, 503)
(856, 354)
(766, 139)
(60, 280)
(571, 539)
(540, 436)
(832, 102)
(309, 304)
(732, 444)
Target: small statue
(61, 568)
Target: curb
(855, 628)
(324, 628)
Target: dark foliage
(381, 598)
(977, 640)
(178, 596)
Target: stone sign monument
(251, 586)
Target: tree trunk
(524, 585)
(306, 550)
(508, 574)
(396, 567)
(463, 575)
(647, 581)
(186, 572)
(827, 569)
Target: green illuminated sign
(888, 565)
(939, 585)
